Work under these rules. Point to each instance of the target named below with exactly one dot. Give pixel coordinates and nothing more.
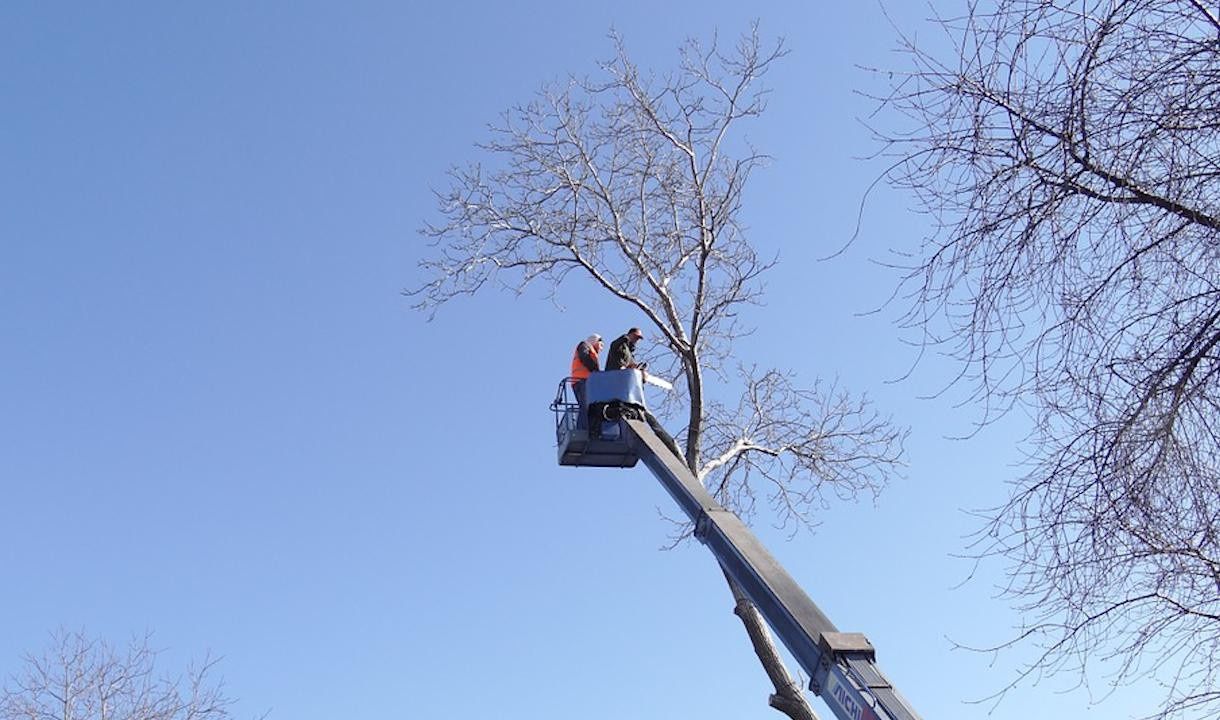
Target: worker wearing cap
(622, 357)
(584, 361)
(622, 351)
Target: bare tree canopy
(1069, 153)
(81, 678)
(636, 182)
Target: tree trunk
(788, 697)
(694, 425)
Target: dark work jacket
(621, 357)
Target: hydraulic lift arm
(841, 666)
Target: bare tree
(1069, 153)
(80, 678)
(636, 182)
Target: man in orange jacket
(584, 361)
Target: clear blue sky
(220, 421)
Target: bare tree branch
(1069, 155)
(81, 678)
(803, 443)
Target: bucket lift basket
(598, 441)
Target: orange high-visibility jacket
(580, 368)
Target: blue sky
(223, 423)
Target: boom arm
(840, 666)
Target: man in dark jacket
(622, 357)
(622, 351)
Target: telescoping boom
(841, 666)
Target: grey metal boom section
(840, 665)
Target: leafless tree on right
(1069, 153)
